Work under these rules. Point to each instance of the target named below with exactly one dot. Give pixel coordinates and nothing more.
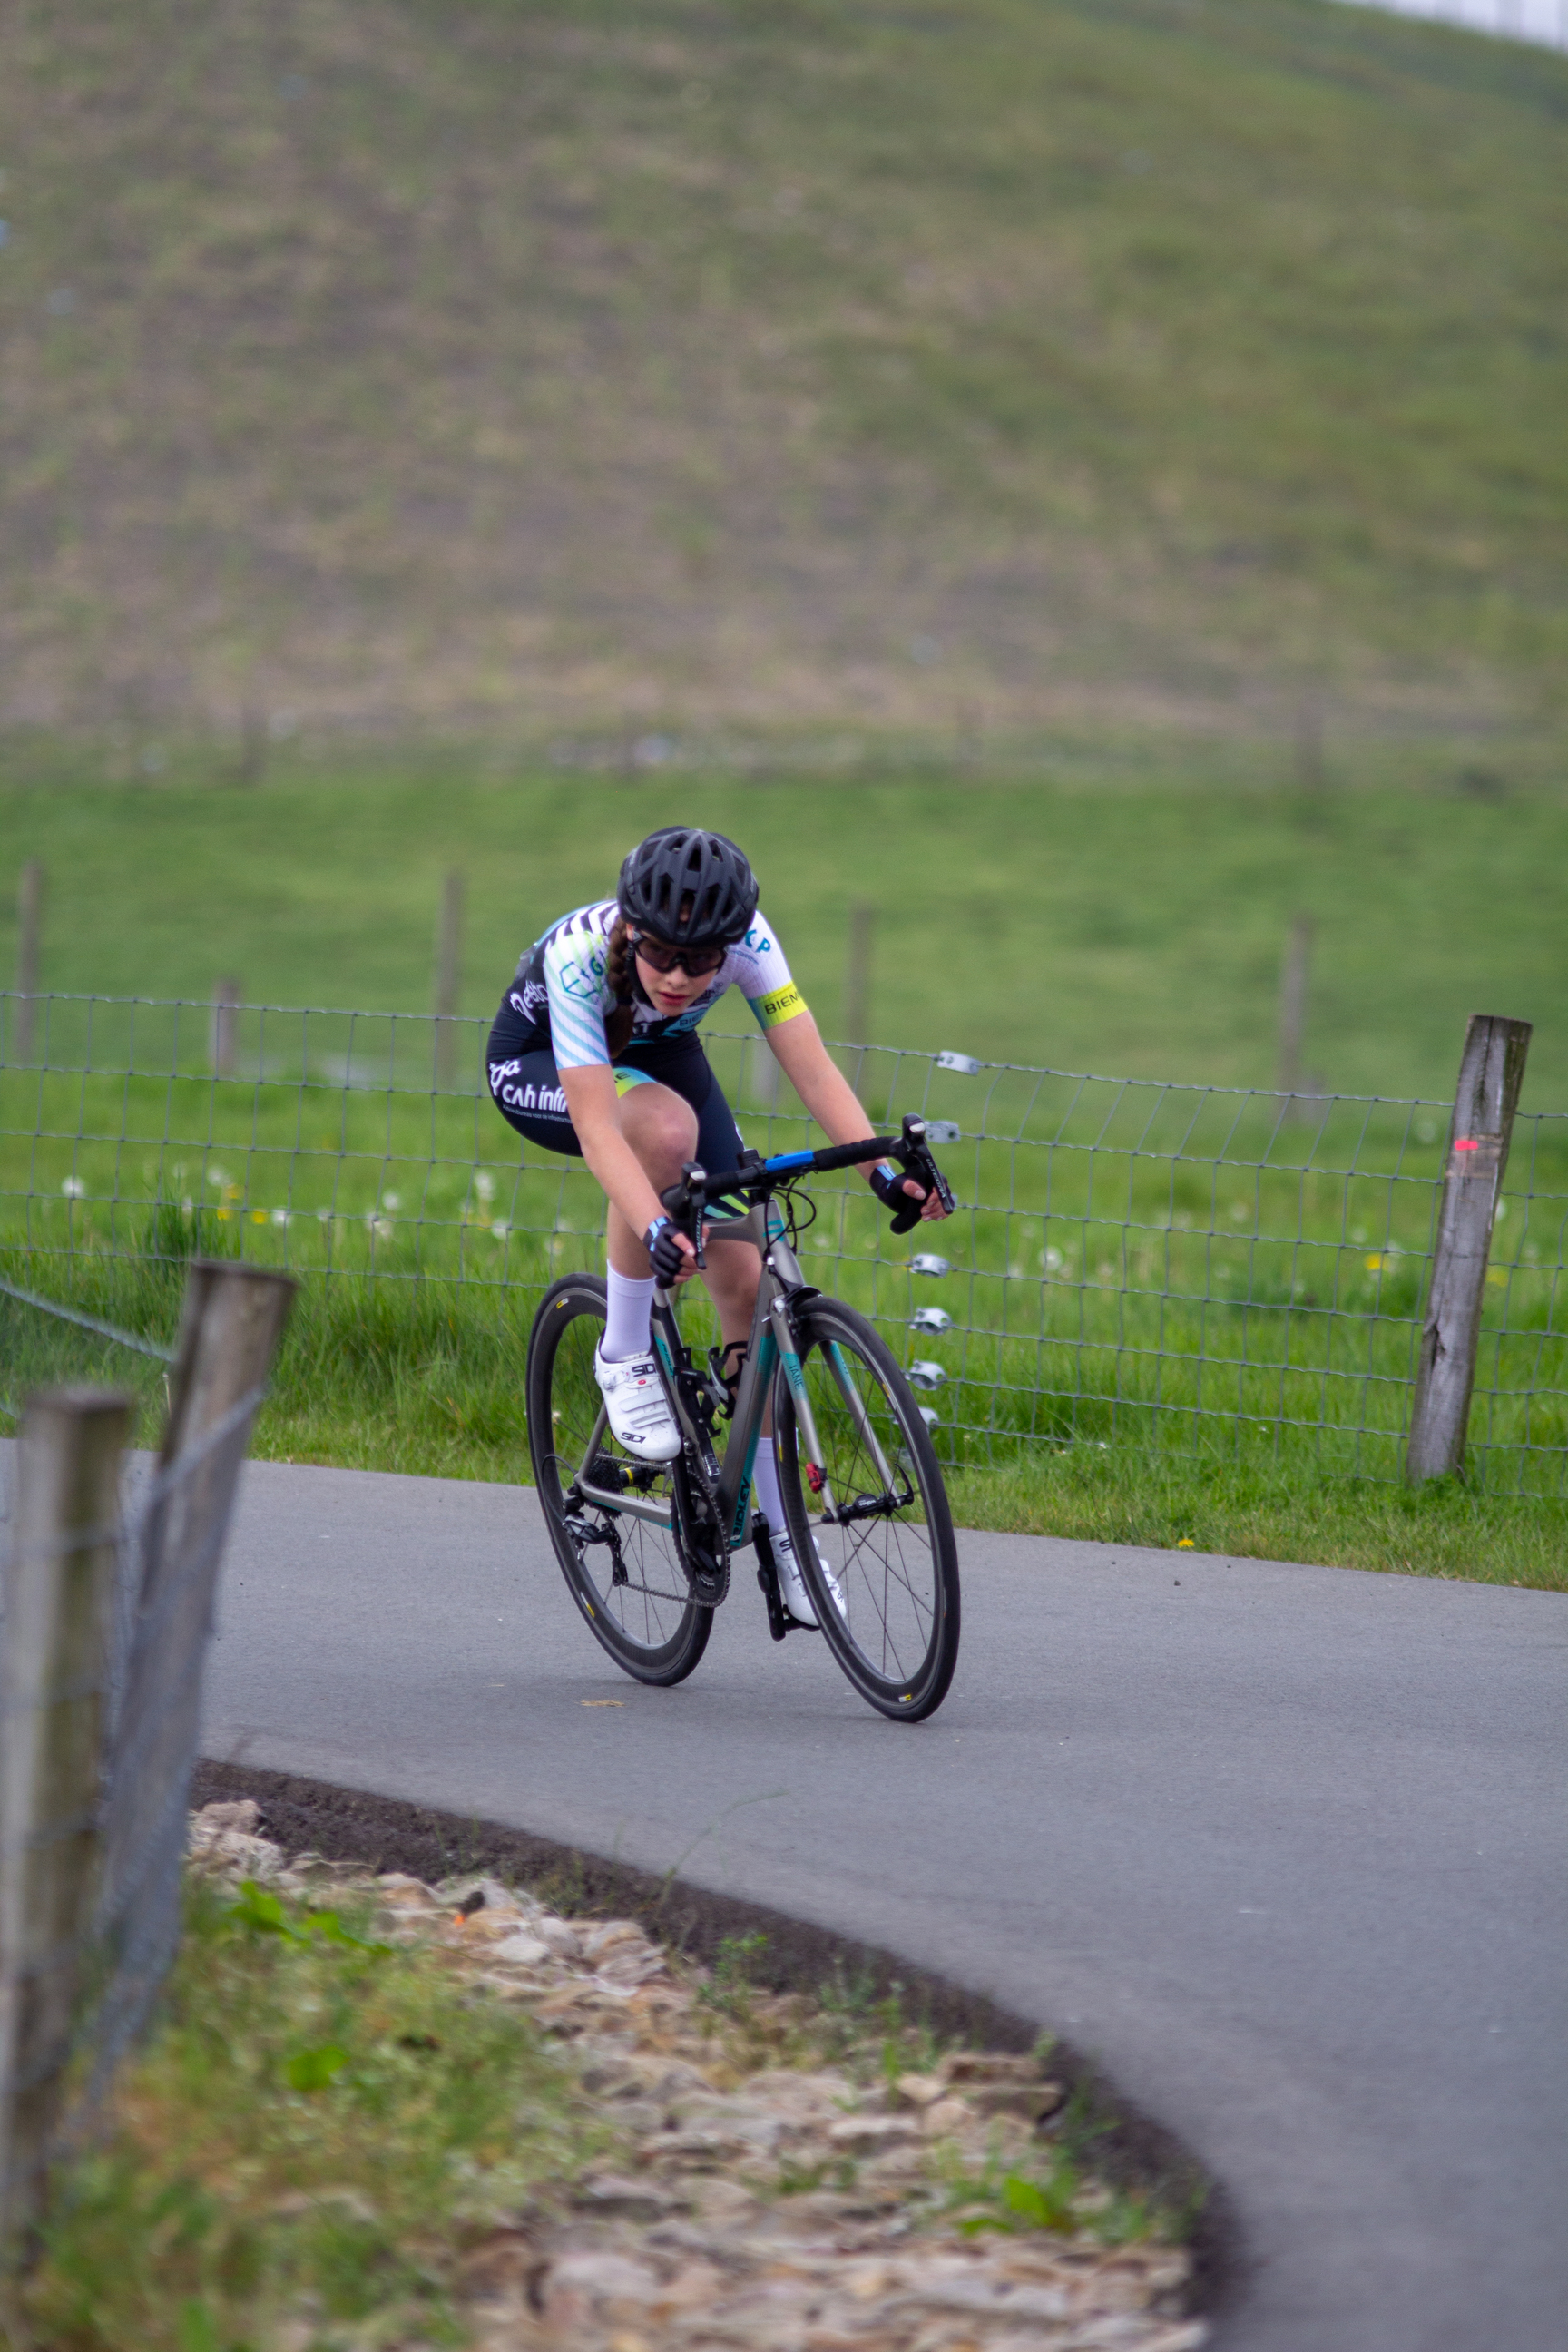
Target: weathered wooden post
(448, 978)
(29, 938)
(221, 1041)
(54, 1699)
(234, 1318)
(1293, 1009)
(1491, 1071)
(857, 974)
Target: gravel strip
(770, 2209)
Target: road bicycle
(646, 1549)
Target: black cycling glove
(665, 1251)
(887, 1183)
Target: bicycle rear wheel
(894, 1628)
(624, 1573)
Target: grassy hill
(760, 366)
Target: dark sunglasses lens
(695, 963)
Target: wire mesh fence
(108, 1590)
(1215, 1271)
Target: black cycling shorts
(525, 1087)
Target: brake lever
(685, 1202)
(914, 1156)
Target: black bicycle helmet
(687, 887)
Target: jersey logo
(580, 980)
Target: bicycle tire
(645, 1618)
(896, 1634)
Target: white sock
(765, 1480)
(627, 1331)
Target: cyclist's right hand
(670, 1254)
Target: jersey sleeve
(574, 983)
(763, 977)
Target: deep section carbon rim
(889, 1600)
(624, 1573)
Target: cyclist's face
(672, 991)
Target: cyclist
(595, 1052)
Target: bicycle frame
(772, 1341)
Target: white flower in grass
(485, 1184)
(1052, 1259)
(73, 1188)
(392, 1200)
(218, 1177)
(383, 1228)
(500, 1232)
(280, 1216)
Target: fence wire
(72, 2003)
(1224, 1272)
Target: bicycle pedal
(779, 1618)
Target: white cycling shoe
(791, 1584)
(638, 1408)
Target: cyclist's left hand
(891, 1189)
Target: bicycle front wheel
(891, 1612)
(624, 1573)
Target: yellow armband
(782, 1005)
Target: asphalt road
(1284, 1847)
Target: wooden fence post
(221, 1040)
(449, 975)
(53, 1701)
(857, 974)
(1293, 1009)
(234, 1318)
(30, 937)
(1491, 1070)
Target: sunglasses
(697, 963)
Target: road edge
(1126, 2145)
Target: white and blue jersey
(562, 993)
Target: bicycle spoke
(895, 1628)
(626, 1570)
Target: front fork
(805, 1420)
(815, 1470)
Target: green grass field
(760, 367)
(1238, 1337)
(1105, 913)
(431, 1381)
